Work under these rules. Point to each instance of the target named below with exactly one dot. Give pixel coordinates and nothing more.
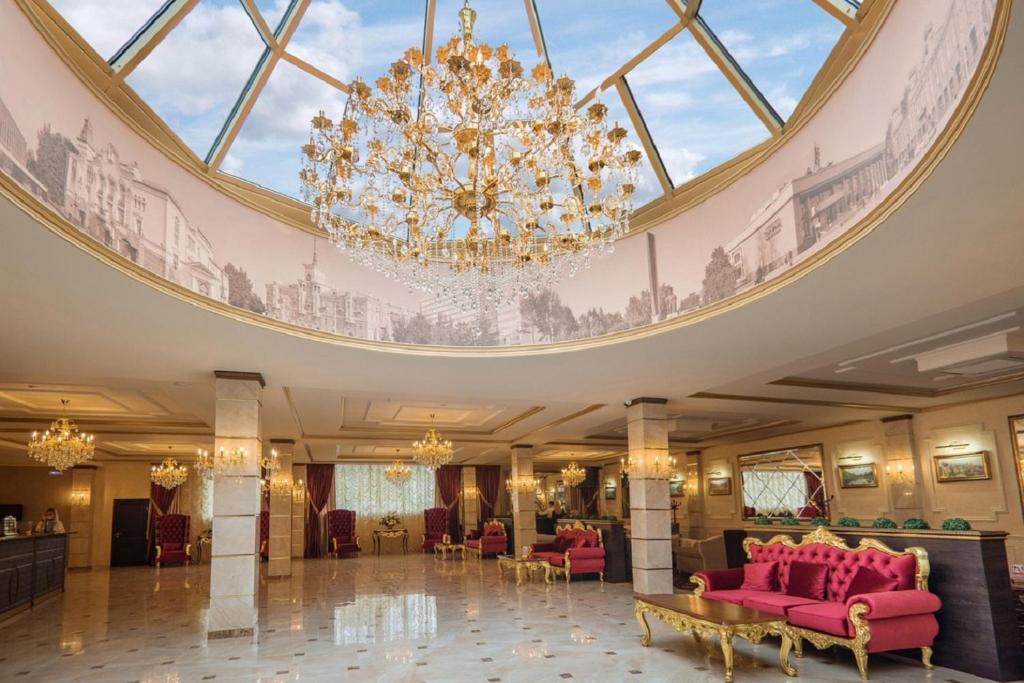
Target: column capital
(646, 399)
(521, 445)
(283, 442)
(244, 376)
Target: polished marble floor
(392, 618)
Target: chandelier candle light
(207, 463)
(434, 451)
(398, 473)
(168, 474)
(470, 178)
(62, 445)
(656, 470)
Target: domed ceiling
(699, 94)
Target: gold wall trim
(84, 62)
(897, 389)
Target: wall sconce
(80, 498)
(897, 474)
(522, 485)
(470, 492)
(278, 486)
(639, 468)
(298, 491)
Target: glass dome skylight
(238, 80)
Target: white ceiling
(137, 364)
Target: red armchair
(494, 540)
(264, 534)
(172, 534)
(900, 616)
(577, 549)
(435, 527)
(341, 532)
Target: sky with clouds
(696, 119)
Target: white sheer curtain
(772, 491)
(365, 489)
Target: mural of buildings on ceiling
(103, 189)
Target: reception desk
(31, 567)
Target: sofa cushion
(867, 580)
(827, 617)
(774, 603)
(807, 580)
(556, 560)
(561, 543)
(171, 547)
(759, 576)
(736, 596)
(551, 557)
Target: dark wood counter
(30, 568)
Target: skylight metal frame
(149, 35)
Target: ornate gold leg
(566, 576)
(549, 577)
(926, 657)
(697, 638)
(501, 569)
(641, 617)
(519, 574)
(861, 656)
(601, 575)
(784, 648)
(725, 636)
(798, 646)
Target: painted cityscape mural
(74, 155)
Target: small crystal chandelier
(573, 475)
(468, 177)
(522, 485)
(62, 445)
(398, 472)
(168, 474)
(433, 451)
(207, 463)
(270, 463)
(277, 486)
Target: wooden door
(128, 532)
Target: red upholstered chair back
(435, 522)
(341, 524)
(494, 528)
(842, 561)
(172, 529)
(264, 525)
(579, 537)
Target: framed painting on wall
(675, 487)
(859, 476)
(609, 493)
(720, 486)
(962, 467)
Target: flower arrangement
(916, 523)
(390, 520)
(820, 521)
(848, 521)
(883, 523)
(956, 524)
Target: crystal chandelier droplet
(62, 445)
(433, 451)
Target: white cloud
(106, 24)
(232, 164)
(681, 163)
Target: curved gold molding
(86, 61)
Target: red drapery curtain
(487, 480)
(449, 485)
(319, 479)
(815, 492)
(160, 502)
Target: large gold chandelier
(62, 445)
(433, 451)
(168, 474)
(468, 177)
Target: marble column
(234, 565)
(524, 509)
(902, 465)
(279, 561)
(649, 502)
(470, 499)
(298, 509)
(80, 524)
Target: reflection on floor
(394, 618)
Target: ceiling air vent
(998, 353)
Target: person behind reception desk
(50, 523)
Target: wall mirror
(783, 483)
(1017, 437)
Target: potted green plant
(916, 523)
(790, 520)
(820, 521)
(956, 524)
(883, 523)
(848, 521)
(763, 520)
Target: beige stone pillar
(298, 509)
(524, 510)
(279, 561)
(902, 465)
(80, 524)
(470, 500)
(234, 566)
(649, 501)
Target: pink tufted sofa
(577, 549)
(899, 617)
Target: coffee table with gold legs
(524, 566)
(685, 612)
